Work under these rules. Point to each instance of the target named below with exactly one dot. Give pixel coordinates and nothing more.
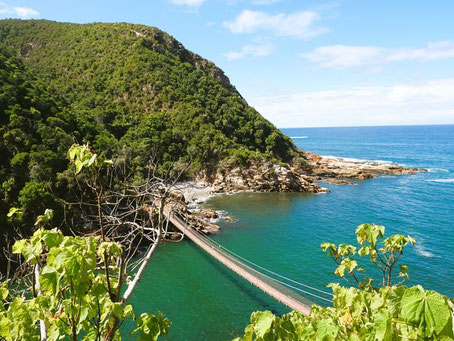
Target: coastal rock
(264, 177)
(339, 168)
(208, 214)
(339, 181)
(302, 176)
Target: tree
(383, 253)
(81, 285)
(365, 313)
(71, 292)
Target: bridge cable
(274, 279)
(261, 267)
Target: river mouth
(283, 231)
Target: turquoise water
(283, 231)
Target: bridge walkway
(278, 289)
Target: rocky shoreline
(337, 170)
(269, 177)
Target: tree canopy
(131, 92)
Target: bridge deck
(273, 292)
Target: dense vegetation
(135, 85)
(130, 91)
(35, 135)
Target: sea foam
(441, 180)
(352, 159)
(438, 170)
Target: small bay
(283, 231)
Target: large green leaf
(49, 279)
(262, 321)
(426, 310)
(52, 238)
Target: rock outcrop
(333, 169)
(262, 177)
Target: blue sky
(304, 63)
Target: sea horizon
(371, 126)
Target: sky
(303, 63)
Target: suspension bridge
(289, 292)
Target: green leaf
(151, 327)
(403, 268)
(262, 321)
(49, 279)
(328, 246)
(345, 249)
(395, 298)
(340, 270)
(91, 160)
(128, 311)
(52, 238)
(5, 328)
(426, 310)
(117, 309)
(3, 292)
(45, 218)
(111, 248)
(369, 233)
(19, 246)
(73, 150)
(15, 210)
(53, 333)
(32, 251)
(364, 251)
(326, 330)
(78, 165)
(383, 325)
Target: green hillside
(128, 90)
(135, 85)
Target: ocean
(283, 231)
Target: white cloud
(20, 12)
(430, 102)
(265, 2)
(189, 3)
(344, 56)
(250, 50)
(297, 25)
(25, 12)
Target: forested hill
(133, 85)
(131, 92)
